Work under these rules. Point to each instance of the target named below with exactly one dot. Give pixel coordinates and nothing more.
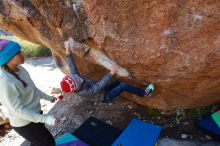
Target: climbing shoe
(149, 89)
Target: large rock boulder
(175, 44)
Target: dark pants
(37, 134)
(116, 87)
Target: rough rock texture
(175, 44)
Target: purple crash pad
(74, 143)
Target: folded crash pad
(74, 143)
(97, 133)
(68, 139)
(139, 133)
(209, 125)
(216, 117)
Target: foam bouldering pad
(74, 143)
(216, 117)
(209, 125)
(68, 139)
(97, 133)
(139, 133)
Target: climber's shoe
(149, 89)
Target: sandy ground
(75, 110)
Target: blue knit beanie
(8, 49)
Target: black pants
(37, 134)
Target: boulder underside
(175, 44)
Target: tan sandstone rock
(175, 44)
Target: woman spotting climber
(75, 83)
(22, 98)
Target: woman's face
(17, 59)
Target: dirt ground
(75, 110)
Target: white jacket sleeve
(44, 95)
(10, 97)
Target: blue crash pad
(210, 125)
(139, 133)
(216, 117)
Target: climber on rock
(83, 86)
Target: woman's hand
(67, 47)
(114, 69)
(51, 120)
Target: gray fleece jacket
(89, 87)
